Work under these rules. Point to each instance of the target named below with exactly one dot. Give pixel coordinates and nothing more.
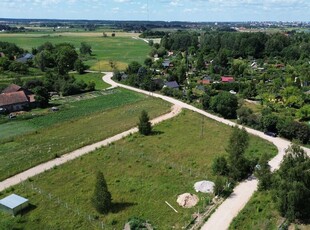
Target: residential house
(227, 79)
(167, 63)
(254, 65)
(25, 58)
(15, 98)
(279, 66)
(124, 76)
(159, 83)
(205, 81)
(172, 85)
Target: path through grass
(142, 173)
(77, 124)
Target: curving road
(230, 208)
(18, 178)
(223, 216)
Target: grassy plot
(71, 108)
(122, 50)
(142, 173)
(82, 123)
(259, 213)
(94, 77)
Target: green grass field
(261, 213)
(122, 49)
(142, 173)
(95, 77)
(25, 143)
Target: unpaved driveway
(230, 208)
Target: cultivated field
(122, 48)
(142, 173)
(81, 120)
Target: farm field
(31, 141)
(142, 173)
(261, 213)
(122, 48)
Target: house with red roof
(226, 79)
(15, 98)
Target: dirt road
(242, 193)
(79, 152)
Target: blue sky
(166, 10)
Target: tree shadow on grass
(156, 132)
(120, 206)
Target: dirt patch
(187, 200)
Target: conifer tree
(144, 124)
(101, 200)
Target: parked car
(272, 134)
(54, 108)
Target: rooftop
(13, 201)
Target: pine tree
(144, 125)
(101, 200)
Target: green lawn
(95, 77)
(142, 173)
(75, 125)
(122, 49)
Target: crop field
(122, 48)
(36, 139)
(142, 173)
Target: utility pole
(202, 125)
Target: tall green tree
(85, 49)
(79, 66)
(292, 184)
(41, 95)
(102, 199)
(239, 166)
(225, 104)
(144, 124)
(263, 173)
(65, 57)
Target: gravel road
(242, 193)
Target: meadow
(122, 49)
(142, 173)
(28, 141)
(261, 213)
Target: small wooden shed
(13, 204)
